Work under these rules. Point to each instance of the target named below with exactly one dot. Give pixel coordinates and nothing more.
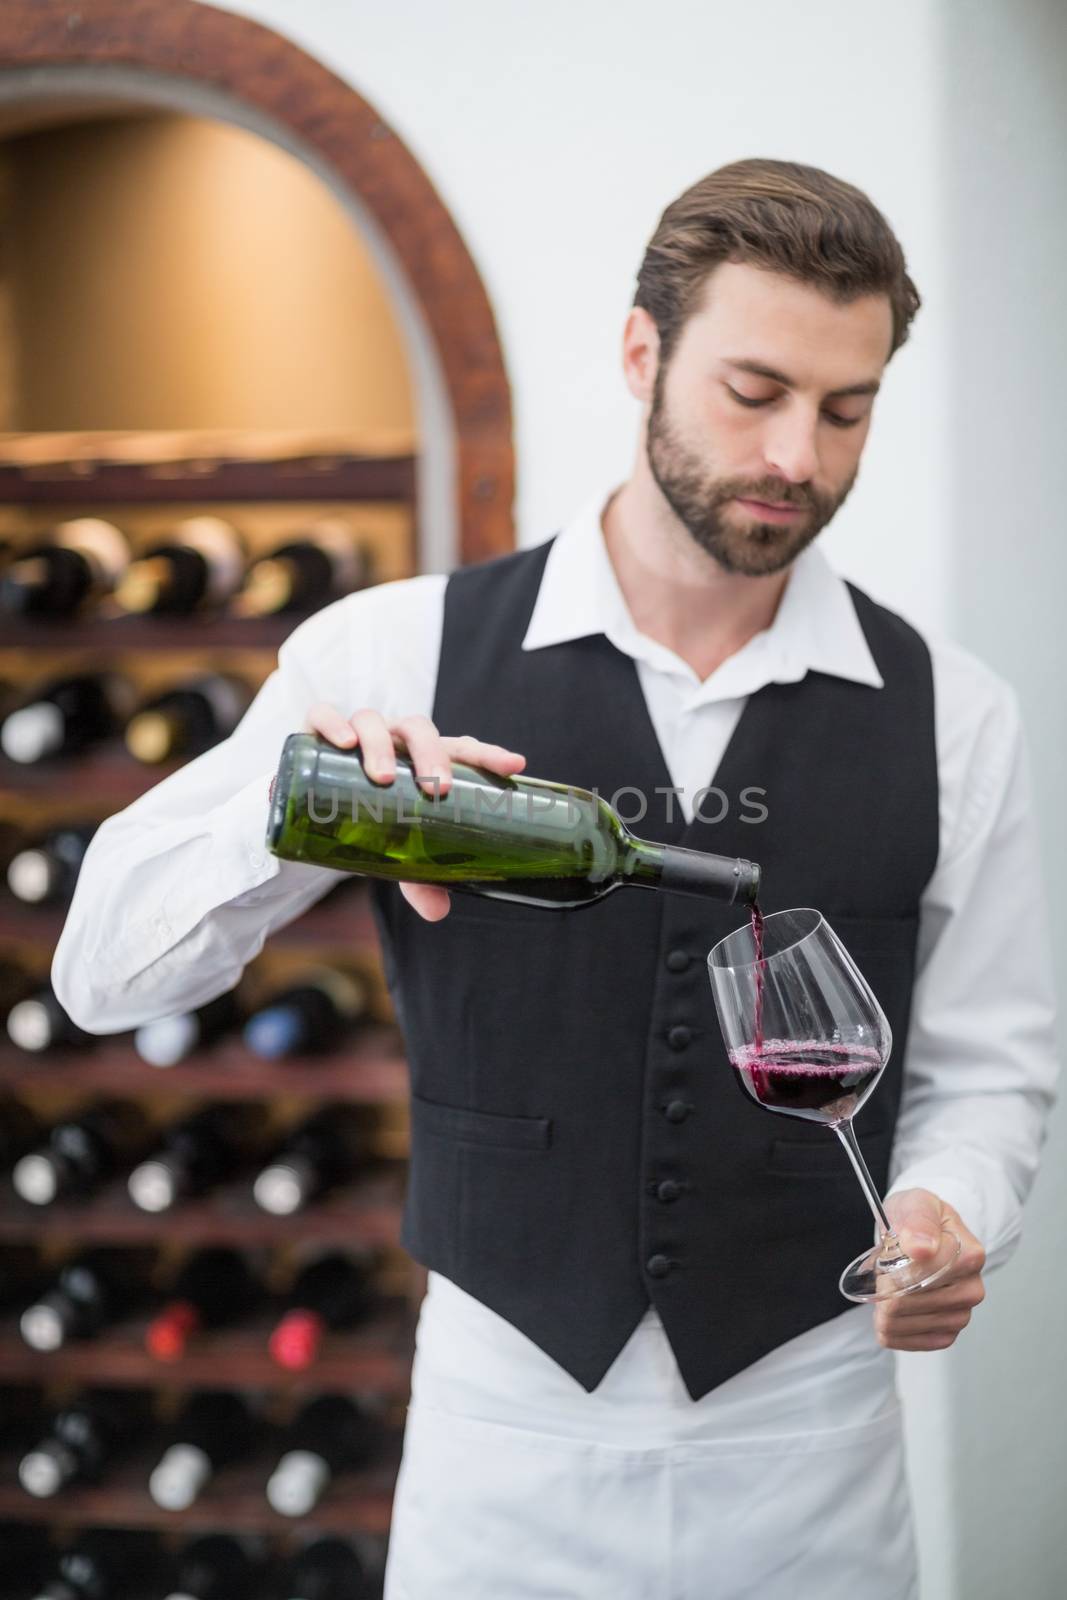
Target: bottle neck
(696, 872)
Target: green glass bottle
(514, 838)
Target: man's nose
(790, 449)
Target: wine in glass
(807, 1038)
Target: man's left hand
(930, 1319)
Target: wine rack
(265, 487)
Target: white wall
(556, 134)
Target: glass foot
(886, 1272)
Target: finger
(431, 903)
(948, 1295)
(477, 753)
(928, 1341)
(376, 742)
(328, 721)
(919, 1327)
(429, 757)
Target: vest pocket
(463, 1125)
(825, 1157)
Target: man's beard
(698, 500)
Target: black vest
(579, 1144)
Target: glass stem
(846, 1133)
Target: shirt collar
(814, 629)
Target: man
(635, 1377)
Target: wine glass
(807, 1038)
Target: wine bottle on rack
(511, 838)
(39, 1023)
(20, 1130)
(105, 1564)
(21, 1274)
(83, 1439)
(330, 1568)
(28, 1554)
(325, 1150)
(219, 1566)
(93, 1290)
(311, 1015)
(45, 871)
(212, 1429)
(188, 718)
(322, 563)
(330, 1434)
(329, 1293)
(67, 716)
(56, 577)
(169, 1040)
(197, 1152)
(200, 565)
(82, 1152)
(213, 1287)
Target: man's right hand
(431, 755)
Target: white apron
(786, 1483)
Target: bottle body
(519, 839)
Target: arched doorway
(99, 55)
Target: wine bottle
(330, 1434)
(39, 1023)
(330, 1568)
(323, 1151)
(311, 1015)
(188, 718)
(27, 1555)
(45, 872)
(213, 1287)
(196, 1153)
(20, 1130)
(67, 716)
(105, 1564)
(82, 1152)
(507, 838)
(199, 565)
(212, 1429)
(94, 1289)
(21, 1274)
(219, 1566)
(168, 1040)
(56, 577)
(83, 1439)
(329, 1293)
(325, 561)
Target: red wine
(310, 1016)
(168, 1040)
(807, 1078)
(188, 718)
(211, 1288)
(57, 576)
(46, 870)
(212, 1429)
(305, 572)
(67, 716)
(198, 566)
(39, 1023)
(756, 916)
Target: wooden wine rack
(375, 1357)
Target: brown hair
(779, 215)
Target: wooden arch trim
(251, 63)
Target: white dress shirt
(177, 893)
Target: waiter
(635, 1378)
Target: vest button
(677, 1110)
(669, 1189)
(678, 960)
(679, 1036)
(658, 1266)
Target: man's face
(720, 436)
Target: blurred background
(292, 308)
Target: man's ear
(640, 354)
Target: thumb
(916, 1217)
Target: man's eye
(831, 416)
